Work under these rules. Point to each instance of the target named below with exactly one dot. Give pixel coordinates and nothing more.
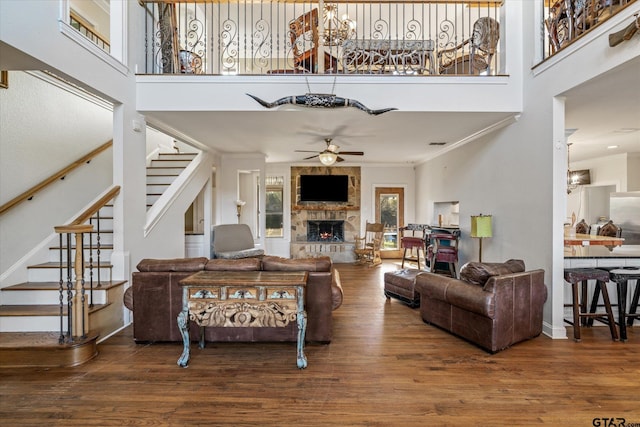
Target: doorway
(389, 205)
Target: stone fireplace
(325, 228)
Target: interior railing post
(78, 313)
(61, 288)
(98, 245)
(91, 266)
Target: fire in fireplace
(325, 231)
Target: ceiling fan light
(327, 158)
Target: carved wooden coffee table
(253, 299)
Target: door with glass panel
(389, 205)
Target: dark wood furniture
(303, 32)
(414, 243)
(621, 277)
(578, 277)
(243, 299)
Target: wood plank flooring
(385, 367)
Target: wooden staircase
(163, 171)
(30, 311)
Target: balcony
(244, 37)
(565, 21)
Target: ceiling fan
(330, 155)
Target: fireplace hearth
(325, 231)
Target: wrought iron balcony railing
(567, 20)
(288, 37)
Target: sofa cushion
(245, 253)
(478, 273)
(244, 264)
(174, 264)
(275, 263)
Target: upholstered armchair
(492, 305)
(232, 241)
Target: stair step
(48, 286)
(106, 246)
(48, 293)
(177, 156)
(160, 179)
(152, 171)
(170, 163)
(49, 271)
(41, 349)
(56, 265)
(41, 310)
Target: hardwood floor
(385, 367)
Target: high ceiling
(604, 112)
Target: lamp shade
(481, 226)
(327, 157)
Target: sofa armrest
(337, 294)
(456, 292)
(519, 293)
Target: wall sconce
(481, 228)
(239, 205)
(327, 157)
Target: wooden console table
(252, 299)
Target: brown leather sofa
(493, 305)
(156, 298)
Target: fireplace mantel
(324, 208)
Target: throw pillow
(478, 273)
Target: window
(274, 206)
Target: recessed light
(611, 147)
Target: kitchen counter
(624, 251)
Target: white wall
(383, 176)
(518, 174)
(228, 191)
(43, 129)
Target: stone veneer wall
(302, 212)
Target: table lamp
(480, 228)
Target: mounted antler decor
(320, 100)
(626, 33)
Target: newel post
(78, 308)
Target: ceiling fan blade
(339, 159)
(353, 153)
(310, 157)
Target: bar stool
(413, 242)
(621, 276)
(577, 276)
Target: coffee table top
(255, 278)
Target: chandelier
(336, 29)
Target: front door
(389, 204)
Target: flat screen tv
(324, 188)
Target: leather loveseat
(493, 305)
(156, 298)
